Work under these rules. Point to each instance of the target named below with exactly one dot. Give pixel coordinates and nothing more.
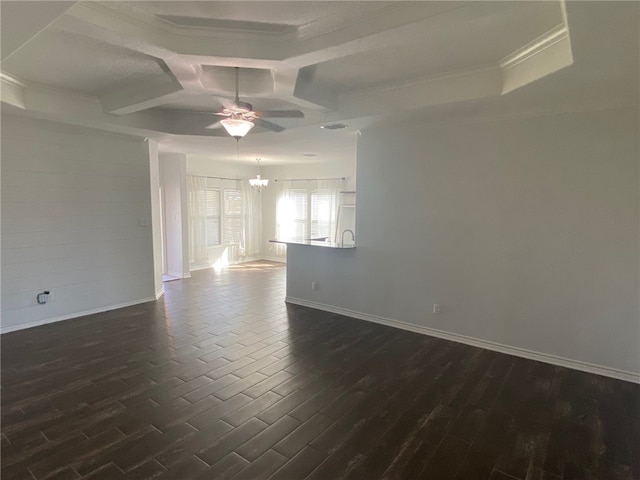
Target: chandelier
(258, 183)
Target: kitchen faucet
(353, 236)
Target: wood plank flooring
(221, 380)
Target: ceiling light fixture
(258, 183)
(236, 126)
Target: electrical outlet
(43, 297)
(436, 308)
(314, 285)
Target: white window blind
(323, 208)
(232, 216)
(213, 216)
(223, 214)
(300, 212)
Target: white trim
(160, 293)
(196, 268)
(476, 342)
(537, 46)
(275, 259)
(175, 276)
(46, 321)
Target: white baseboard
(476, 342)
(184, 275)
(46, 321)
(159, 293)
(275, 259)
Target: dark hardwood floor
(221, 380)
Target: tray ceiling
(161, 69)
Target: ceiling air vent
(334, 126)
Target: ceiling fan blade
(280, 114)
(268, 125)
(214, 125)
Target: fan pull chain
(237, 85)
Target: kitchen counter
(314, 242)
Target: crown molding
(12, 91)
(11, 80)
(557, 34)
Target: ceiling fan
(240, 116)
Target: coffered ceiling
(161, 69)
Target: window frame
(223, 217)
(308, 220)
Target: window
(212, 198)
(322, 213)
(299, 213)
(307, 209)
(232, 216)
(223, 216)
(312, 213)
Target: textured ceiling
(81, 64)
(444, 50)
(161, 69)
(279, 13)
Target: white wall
(173, 171)
(156, 216)
(326, 169)
(526, 232)
(73, 200)
(197, 165)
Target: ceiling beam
(141, 96)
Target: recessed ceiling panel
(276, 13)
(210, 103)
(479, 41)
(184, 21)
(250, 80)
(81, 64)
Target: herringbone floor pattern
(221, 380)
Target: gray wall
(526, 232)
(76, 216)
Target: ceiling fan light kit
(237, 127)
(241, 117)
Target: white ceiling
(162, 69)
(296, 14)
(81, 64)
